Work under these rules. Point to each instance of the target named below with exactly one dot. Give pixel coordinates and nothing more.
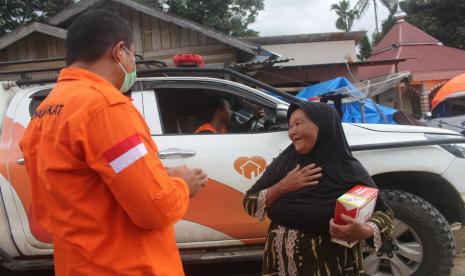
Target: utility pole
(376, 16)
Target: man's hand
(195, 178)
(352, 231)
(295, 180)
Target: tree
(366, 48)
(53, 7)
(386, 26)
(16, 12)
(153, 3)
(346, 15)
(442, 19)
(362, 5)
(228, 16)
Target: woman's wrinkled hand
(300, 178)
(295, 180)
(352, 231)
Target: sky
(286, 17)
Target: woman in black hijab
(298, 192)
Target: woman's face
(302, 132)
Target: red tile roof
(428, 58)
(404, 33)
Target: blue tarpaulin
(374, 113)
(327, 87)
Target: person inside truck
(97, 183)
(298, 192)
(220, 118)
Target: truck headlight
(456, 149)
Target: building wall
(315, 52)
(34, 46)
(297, 77)
(424, 89)
(153, 38)
(161, 40)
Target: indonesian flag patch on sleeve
(126, 152)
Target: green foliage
(228, 16)
(153, 3)
(388, 23)
(365, 48)
(16, 12)
(442, 19)
(346, 15)
(53, 7)
(362, 5)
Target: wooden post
(399, 92)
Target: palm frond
(361, 6)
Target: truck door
(29, 237)
(233, 161)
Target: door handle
(175, 153)
(20, 161)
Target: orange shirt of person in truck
(219, 117)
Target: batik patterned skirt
(293, 252)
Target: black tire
(431, 228)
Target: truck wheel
(422, 242)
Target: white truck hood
(368, 134)
(406, 129)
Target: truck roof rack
(223, 73)
(160, 70)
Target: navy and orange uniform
(209, 128)
(97, 183)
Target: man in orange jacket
(219, 118)
(97, 183)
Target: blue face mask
(129, 78)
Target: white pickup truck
(420, 170)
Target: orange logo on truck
(250, 167)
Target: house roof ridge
(403, 33)
(307, 37)
(26, 29)
(83, 5)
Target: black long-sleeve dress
(298, 241)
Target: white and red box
(358, 203)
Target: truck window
(36, 100)
(183, 110)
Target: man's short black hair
(91, 34)
(214, 103)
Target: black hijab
(311, 208)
